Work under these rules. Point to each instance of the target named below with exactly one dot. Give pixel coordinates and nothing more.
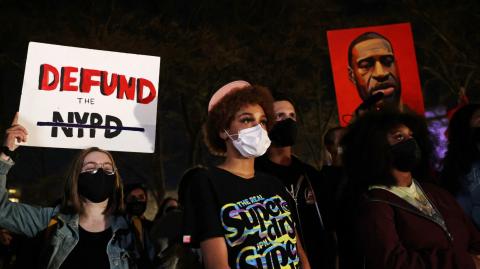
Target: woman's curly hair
(222, 114)
(367, 154)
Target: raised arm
(16, 132)
(17, 217)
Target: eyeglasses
(92, 168)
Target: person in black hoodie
(305, 185)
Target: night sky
(205, 44)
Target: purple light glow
(437, 125)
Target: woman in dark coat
(401, 221)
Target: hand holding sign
(15, 133)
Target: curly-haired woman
(401, 221)
(239, 217)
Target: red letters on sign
(71, 80)
(86, 81)
(66, 79)
(126, 89)
(141, 84)
(45, 70)
(105, 87)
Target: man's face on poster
(373, 69)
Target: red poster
(374, 59)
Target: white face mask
(251, 142)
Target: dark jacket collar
(387, 196)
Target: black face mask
(406, 155)
(96, 187)
(136, 208)
(284, 133)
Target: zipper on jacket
(294, 194)
(436, 209)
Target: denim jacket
(30, 220)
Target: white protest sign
(79, 98)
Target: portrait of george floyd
(374, 68)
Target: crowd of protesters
(376, 202)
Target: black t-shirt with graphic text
(253, 215)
